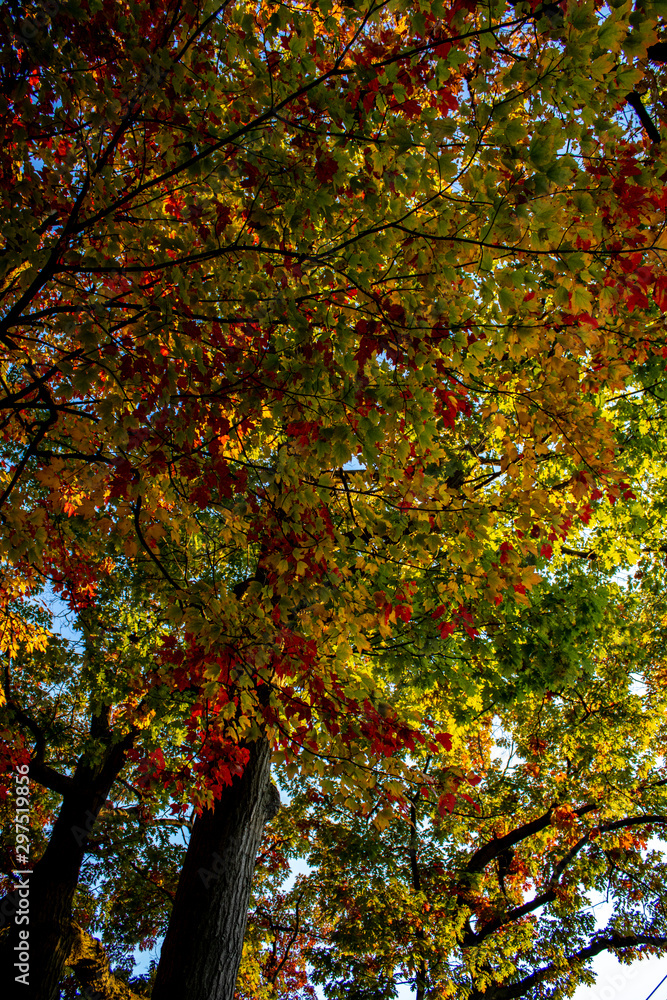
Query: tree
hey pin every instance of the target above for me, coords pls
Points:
(312, 319)
(494, 894)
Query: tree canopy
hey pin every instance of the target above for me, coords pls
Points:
(332, 394)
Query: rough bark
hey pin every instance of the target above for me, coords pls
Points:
(202, 949)
(53, 882)
(91, 967)
(422, 971)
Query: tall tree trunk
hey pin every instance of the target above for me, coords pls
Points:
(202, 950)
(422, 971)
(51, 886)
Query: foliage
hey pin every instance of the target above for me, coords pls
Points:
(333, 347)
(498, 894)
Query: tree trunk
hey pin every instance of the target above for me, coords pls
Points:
(422, 971)
(49, 890)
(202, 950)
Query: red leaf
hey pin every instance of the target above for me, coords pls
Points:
(326, 168)
(446, 803)
(411, 108)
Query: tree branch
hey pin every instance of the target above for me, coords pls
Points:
(611, 943)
